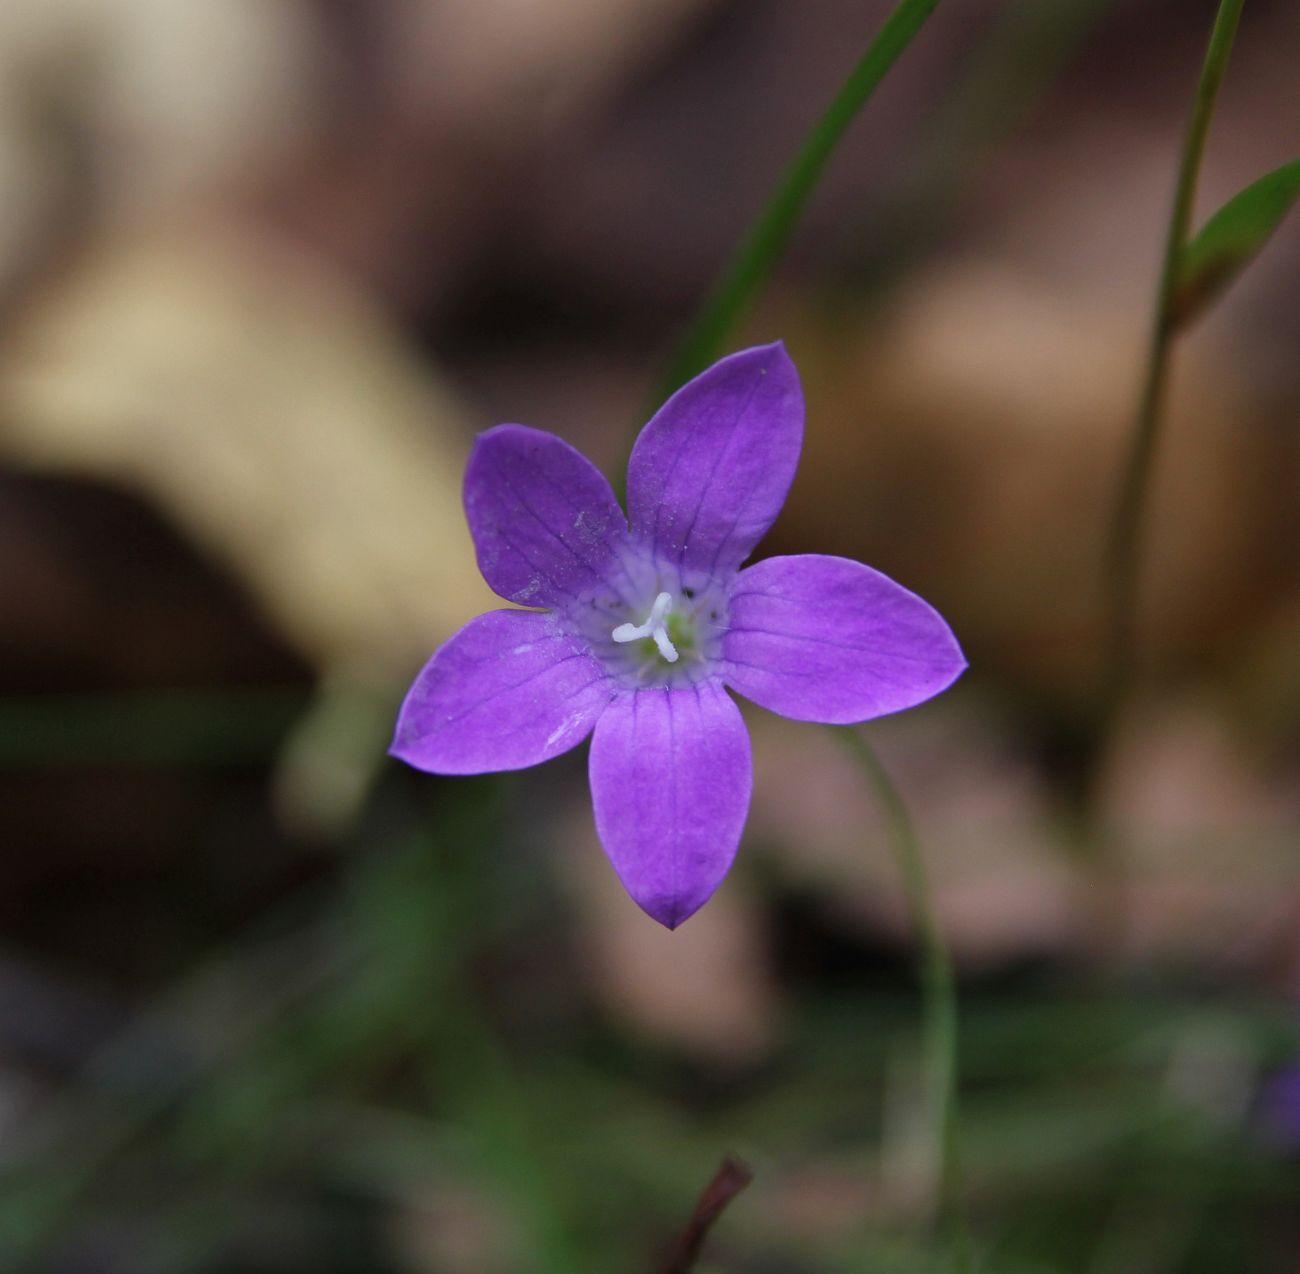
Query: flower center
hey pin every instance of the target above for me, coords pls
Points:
(655, 627)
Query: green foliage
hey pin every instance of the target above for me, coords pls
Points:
(763, 247)
(1231, 239)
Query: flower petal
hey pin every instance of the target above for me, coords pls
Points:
(710, 472)
(670, 781)
(827, 639)
(509, 690)
(545, 523)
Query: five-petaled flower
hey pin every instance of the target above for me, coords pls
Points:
(649, 620)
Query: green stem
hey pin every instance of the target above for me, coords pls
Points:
(939, 996)
(766, 241)
(1125, 547)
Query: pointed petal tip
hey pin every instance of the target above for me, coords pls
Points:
(505, 429)
(771, 356)
(774, 352)
(485, 435)
(408, 753)
(487, 441)
(672, 913)
(958, 664)
(400, 748)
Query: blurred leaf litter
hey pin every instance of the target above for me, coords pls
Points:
(275, 416)
(111, 109)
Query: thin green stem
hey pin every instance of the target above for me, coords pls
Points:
(939, 996)
(1125, 546)
(766, 241)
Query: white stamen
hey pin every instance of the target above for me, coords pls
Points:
(666, 647)
(655, 627)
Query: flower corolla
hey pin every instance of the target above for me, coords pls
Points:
(644, 623)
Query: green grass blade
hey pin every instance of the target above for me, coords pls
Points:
(1230, 240)
(938, 1000)
(766, 242)
(1124, 550)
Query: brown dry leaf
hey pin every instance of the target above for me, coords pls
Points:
(1196, 858)
(1207, 839)
(984, 819)
(276, 417)
(29, 184)
(969, 444)
(516, 64)
(170, 100)
(446, 1226)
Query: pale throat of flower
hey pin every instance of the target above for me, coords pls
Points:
(656, 627)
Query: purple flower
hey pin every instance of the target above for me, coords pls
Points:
(1282, 1108)
(649, 621)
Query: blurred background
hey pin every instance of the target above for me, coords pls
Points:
(270, 1002)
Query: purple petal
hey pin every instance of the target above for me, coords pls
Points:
(826, 639)
(710, 472)
(509, 690)
(670, 781)
(544, 520)
(1281, 1108)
